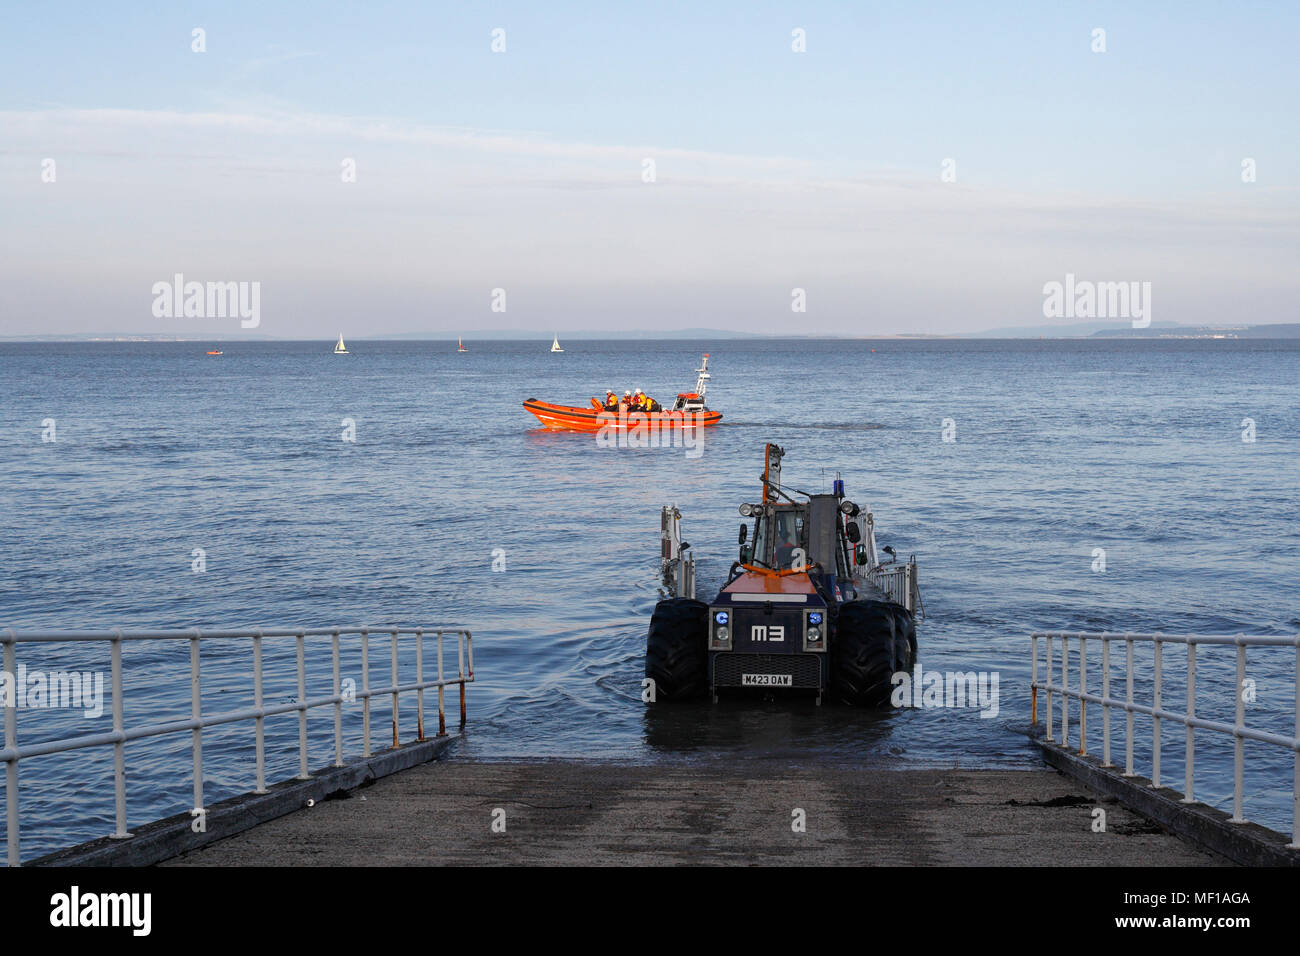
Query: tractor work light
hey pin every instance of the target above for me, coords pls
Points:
(814, 632)
(720, 638)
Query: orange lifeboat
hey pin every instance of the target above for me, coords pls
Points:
(594, 417)
(689, 411)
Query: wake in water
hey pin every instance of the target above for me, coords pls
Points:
(820, 426)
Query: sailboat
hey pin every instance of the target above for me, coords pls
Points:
(341, 349)
(555, 345)
(460, 346)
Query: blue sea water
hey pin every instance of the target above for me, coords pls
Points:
(1061, 447)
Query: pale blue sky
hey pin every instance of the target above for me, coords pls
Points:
(522, 170)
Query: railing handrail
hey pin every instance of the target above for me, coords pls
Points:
(1156, 710)
(1249, 640)
(48, 636)
(11, 754)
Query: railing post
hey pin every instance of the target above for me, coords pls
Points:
(1295, 756)
(1048, 671)
(365, 692)
(1155, 719)
(442, 713)
(1128, 707)
(260, 722)
(119, 745)
(303, 772)
(461, 638)
(1189, 756)
(1083, 689)
(1105, 702)
(1033, 681)
(1065, 690)
(338, 702)
(11, 766)
(419, 679)
(196, 713)
(1238, 741)
(396, 737)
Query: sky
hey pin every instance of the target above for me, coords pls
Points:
(917, 168)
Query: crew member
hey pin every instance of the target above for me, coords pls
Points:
(611, 400)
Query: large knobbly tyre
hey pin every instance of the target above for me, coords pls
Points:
(864, 654)
(904, 637)
(676, 652)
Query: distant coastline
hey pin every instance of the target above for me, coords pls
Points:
(1169, 330)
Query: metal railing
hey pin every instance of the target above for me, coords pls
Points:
(1156, 710)
(12, 754)
(899, 584)
(676, 561)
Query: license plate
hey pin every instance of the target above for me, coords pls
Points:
(766, 680)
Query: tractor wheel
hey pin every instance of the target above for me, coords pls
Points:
(676, 652)
(904, 636)
(864, 655)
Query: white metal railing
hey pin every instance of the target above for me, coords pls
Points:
(12, 754)
(1156, 710)
(676, 560)
(898, 582)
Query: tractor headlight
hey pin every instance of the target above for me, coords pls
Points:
(720, 638)
(814, 632)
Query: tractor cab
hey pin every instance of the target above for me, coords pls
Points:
(780, 537)
(813, 536)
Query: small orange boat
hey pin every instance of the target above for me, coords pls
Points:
(216, 352)
(689, 411)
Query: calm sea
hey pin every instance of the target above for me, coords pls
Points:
(1061, 448)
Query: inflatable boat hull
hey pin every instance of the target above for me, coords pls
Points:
(571, 418)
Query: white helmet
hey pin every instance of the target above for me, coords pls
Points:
(639, 392)
(626, 392)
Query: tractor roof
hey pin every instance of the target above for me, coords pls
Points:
(756, 582)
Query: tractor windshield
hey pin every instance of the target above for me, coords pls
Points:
(779, 539)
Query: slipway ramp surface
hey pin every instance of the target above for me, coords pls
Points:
(594, 814)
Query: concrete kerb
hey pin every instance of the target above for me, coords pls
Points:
(1248, 844)
(175, 835)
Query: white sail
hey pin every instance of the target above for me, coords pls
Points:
(555, 345)
(340, 349)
